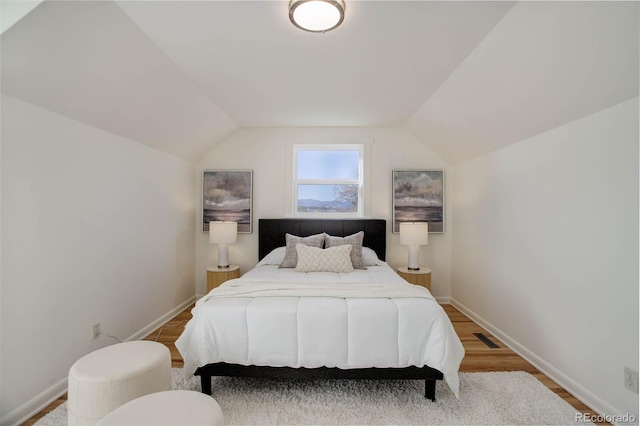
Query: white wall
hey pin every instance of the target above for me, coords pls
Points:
(95, 228)
(267, 151)
(545, 251)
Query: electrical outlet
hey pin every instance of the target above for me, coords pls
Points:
(96, 330)
(631, 379)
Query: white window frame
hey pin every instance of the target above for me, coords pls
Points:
(362, 172)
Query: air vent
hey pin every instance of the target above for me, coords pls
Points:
(484, 339)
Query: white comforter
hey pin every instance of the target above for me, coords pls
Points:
(279, 317)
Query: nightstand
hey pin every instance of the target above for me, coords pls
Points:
(216, 276)
(420, 277)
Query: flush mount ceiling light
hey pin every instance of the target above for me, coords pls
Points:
(316, 16)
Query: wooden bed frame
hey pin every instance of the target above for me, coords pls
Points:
(271, 234)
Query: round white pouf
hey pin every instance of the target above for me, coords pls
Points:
(176, 407)
(105, 379)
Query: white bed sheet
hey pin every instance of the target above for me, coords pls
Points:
(331, 331)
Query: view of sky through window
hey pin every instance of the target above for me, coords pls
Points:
(328, 164)
(317, 192)
(328, 180)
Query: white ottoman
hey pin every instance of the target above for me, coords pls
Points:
(170, 408)
(105, 379)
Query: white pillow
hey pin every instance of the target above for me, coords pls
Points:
(275, 257)
(370, 257)
(333, 259)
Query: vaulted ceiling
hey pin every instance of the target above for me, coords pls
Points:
(465, 78)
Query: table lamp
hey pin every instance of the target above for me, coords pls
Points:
(414, 235)
(223, 234)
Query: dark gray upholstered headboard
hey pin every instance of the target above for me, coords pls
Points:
(271, 232)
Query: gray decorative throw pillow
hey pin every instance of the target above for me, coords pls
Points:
(355, 240)
(291, 256)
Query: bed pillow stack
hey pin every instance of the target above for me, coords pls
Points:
(277, 256)
(291, 255)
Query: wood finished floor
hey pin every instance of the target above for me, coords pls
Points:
(478, 358)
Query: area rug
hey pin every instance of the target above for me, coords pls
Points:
(485, 399)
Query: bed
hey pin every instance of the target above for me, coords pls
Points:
(276, 322)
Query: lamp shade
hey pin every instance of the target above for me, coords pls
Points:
(223, 232)
(316, 15)
(414, 233)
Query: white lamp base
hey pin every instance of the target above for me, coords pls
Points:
(223, 256)
(414, 258)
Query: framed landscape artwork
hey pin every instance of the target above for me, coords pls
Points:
(418, 196)
(227, 197)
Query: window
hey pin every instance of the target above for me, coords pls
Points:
(328, 180)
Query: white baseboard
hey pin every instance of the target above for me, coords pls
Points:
(580, 392)
(46, 397)
(163, 319)
(35, 404)
(443, 300)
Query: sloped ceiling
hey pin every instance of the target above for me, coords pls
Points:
(465, 78)
(546, 64)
